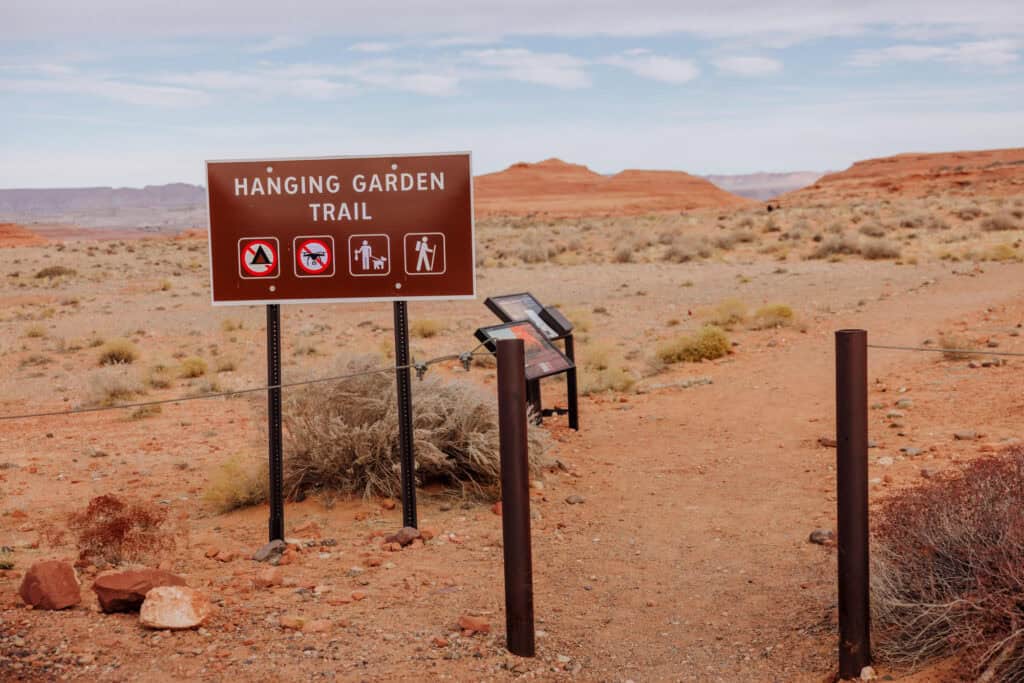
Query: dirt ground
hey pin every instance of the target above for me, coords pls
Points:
(688, 558)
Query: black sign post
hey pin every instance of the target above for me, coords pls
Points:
(403, 375)
(274, 422)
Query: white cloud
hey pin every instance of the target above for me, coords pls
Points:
(978, 53)
(277, 43)
(749, 66)
(127, 92)
(779, 22)
(372, 47)
(544, 68)
(654, 67)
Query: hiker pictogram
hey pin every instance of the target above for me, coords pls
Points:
(314, 256)
(371, 255)
(424, 253)
(258, 257)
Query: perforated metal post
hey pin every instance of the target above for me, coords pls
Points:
(852, 501)
(515, 497)
(407, 458)
(274, 422)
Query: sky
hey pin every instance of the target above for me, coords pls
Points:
(133, 92)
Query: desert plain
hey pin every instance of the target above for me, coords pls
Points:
(670, 534)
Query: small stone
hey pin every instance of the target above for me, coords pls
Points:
(291, 621)
(966, 435)
(894, 414)
(358, 595)
(268, 577)
(826, 442)
(388, 504)
(474, 624)
(270, 550)
(355, 571)
(868, 674)
(927, 473)
(309, 528)
(496, 508)
(564, 659)
(574, 499)
(904, 403)
(51, 584)
(439, 641)
(822, 536)
(125, 591)
(910, 451)
(404, 536)
(885, 461)
(174, 607)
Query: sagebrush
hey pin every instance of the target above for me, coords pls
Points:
(948, 570)
(343, 436)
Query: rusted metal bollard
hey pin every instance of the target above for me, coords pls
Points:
(852, 501)
(515, 497)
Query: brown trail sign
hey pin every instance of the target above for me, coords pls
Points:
(388, 228)
(383, 228)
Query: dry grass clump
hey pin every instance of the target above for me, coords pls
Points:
(708, 343)
(160, 376)
(999, 222)
(193, 366)
(954, 344)
(343, 436)
(601, 370)
(772, 316)
(111, 385)
(877, 249)
(237, 483)
(112, 530)
(425, 328)
(835, 246)
(51, 272)
(118, 352)
(35, 332)
(872, 229)
(728, 313)
(947, 570)
(686, 248)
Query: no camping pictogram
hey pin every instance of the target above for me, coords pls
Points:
(258, 257)
(314, 256)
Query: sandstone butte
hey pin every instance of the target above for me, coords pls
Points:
(14, 235)
(994, 172)
(560, 189)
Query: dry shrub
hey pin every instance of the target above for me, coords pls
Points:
(160, 376)
(954, 344)
(876, 249)
(948, 568)
(111, 385)
(999, 222)
(424, 328)
(835, 246)
(687, 248)
(772, 316)
(601, 369)
(1001, 252)
(193, 366)
(728, 314)
(343, 436)
(873, 229)
(113, 530)
(708, 343)
(118, 351)
(35, 332)
(51, 272)
(238, 483)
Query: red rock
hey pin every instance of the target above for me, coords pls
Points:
(427, 533)
(174, 607)
(358, 595)
(387, 504)
(403, 536)
(474, 624)
(309, 527)
(212, 552)
(440, 642)
(125, 591)
(496, 508)
(393, 547)
(269, 577)
(50, 584)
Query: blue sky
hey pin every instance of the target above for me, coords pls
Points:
(121, 93)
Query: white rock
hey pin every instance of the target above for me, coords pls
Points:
(174, 607)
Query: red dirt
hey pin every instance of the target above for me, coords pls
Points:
(14, 235)
(562, 189)
(997, 172)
